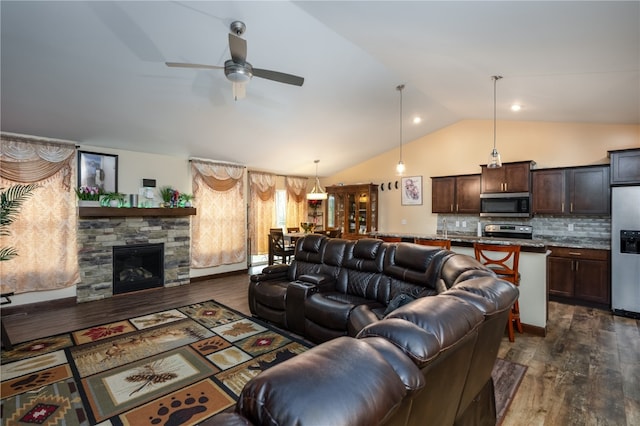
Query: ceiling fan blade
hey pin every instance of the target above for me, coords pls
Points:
(185, 65)
(278, 76)
(238, 48)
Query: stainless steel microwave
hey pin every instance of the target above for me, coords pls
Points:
(515, 204)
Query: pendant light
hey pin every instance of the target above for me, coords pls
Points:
(317, 193)
(400, 166)
(494, 158)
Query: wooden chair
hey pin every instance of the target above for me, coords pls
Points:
(445, 244)
(278, 248)
(503, 260)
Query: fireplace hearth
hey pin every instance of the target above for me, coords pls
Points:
(137, 267)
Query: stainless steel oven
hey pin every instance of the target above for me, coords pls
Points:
(517, 204)
(497, 230)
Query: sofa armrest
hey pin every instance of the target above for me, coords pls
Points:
(297, 293)
(272, 272)
(323, 283)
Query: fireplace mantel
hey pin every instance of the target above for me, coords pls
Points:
(135, 212)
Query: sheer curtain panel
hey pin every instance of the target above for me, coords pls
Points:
(296, 200)
(218, 234)
(262, 189)
(44, 233)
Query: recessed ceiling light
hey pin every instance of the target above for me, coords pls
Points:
(417, 120)
(516, 107)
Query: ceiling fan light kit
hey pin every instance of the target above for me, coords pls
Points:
(237, 69)
(495, 161)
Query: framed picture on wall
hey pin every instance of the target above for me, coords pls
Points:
(411, 191)
(98, 170)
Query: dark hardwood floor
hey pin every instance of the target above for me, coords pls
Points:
(586, 371)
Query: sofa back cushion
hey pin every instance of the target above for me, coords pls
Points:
(460, 268)
(427, 326)
(361, 268)
(308, 256)
(412, 269)
(333, 257)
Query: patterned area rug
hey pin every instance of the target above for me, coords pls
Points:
(176, 367)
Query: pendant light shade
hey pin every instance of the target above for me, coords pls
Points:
(400, 166)
(317, 193)
(494, 158)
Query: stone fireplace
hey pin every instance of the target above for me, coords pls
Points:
(137, 267)
(104, 231)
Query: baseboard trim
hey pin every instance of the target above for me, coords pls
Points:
(220, 275)
(534, 329)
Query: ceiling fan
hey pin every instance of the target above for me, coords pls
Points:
(237, 69)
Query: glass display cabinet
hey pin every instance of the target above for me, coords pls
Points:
(353, 209)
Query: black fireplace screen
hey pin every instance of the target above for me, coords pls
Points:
(137, 267)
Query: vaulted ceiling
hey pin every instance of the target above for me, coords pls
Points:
(95, 73)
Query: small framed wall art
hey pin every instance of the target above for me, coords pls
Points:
(411, 191)
(98, 170)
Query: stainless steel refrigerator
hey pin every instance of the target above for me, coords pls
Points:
(625, 250)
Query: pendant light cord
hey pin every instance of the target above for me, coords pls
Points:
(495, 81)
(400, 89)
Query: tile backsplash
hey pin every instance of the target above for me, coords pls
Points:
(544, 227)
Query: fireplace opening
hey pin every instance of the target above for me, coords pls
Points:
(137, 267)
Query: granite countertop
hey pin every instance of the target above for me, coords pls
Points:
(533, 244)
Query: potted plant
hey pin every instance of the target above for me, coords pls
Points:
(167, 194)
(185, 200)
(10, 202)
(89, 196)
(112, 199)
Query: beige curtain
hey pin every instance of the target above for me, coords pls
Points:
(262, 189)
(296, 200)
(45, 232)
(218, 234)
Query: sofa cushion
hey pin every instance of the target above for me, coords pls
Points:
(331, 310)
(405, 369)
(341, 382)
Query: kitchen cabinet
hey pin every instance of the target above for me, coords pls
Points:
(455, 194)
(511, 177)
(353, 209)
(625, 167)
(579, 275)
(572, 191)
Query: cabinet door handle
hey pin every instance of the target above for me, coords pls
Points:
(505, 187)
(562, 207)
(451, 208)
(456, 206)
(577, 265)
(571, 208)
(572, 267)
(575, 253)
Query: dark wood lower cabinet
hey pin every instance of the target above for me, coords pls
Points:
(579, 275)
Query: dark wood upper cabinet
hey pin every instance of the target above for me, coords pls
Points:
(511, 177)
(625, 167)
(468, 194)
(576, 190)
(455, 194)
(549, 194)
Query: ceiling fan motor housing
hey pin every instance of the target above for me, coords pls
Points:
(238, 73)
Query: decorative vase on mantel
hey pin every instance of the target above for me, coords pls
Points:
(88, 203)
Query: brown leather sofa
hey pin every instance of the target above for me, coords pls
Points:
(428, 361)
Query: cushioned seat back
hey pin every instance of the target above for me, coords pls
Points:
(308, 257)
(361, 268)
(460, 268)
(413, 269)
(333, 259)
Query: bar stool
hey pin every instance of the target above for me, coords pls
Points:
(445, 244)
(503, 260)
